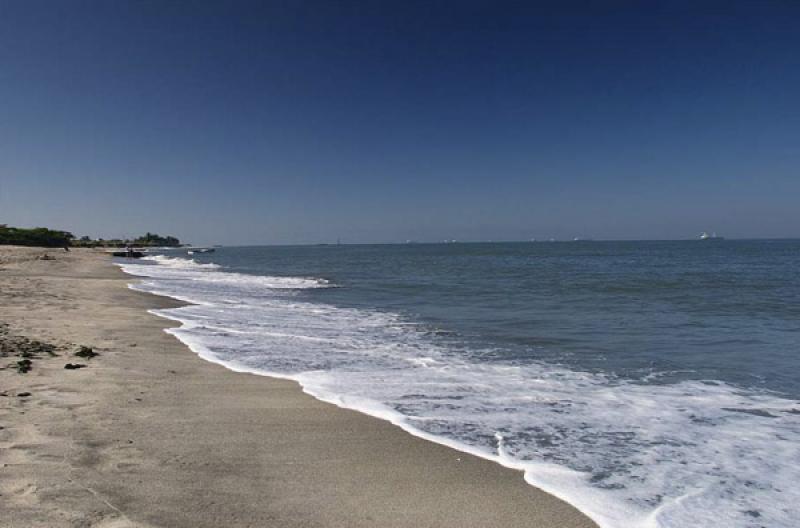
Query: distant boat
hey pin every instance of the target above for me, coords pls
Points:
(127, 252)
(712, 236)
(195, 251)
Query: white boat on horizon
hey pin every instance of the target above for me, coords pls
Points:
(713, 236)
(195, 251)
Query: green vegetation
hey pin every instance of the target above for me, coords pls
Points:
(37, 236)
(85, 241)
(43, 237)
(148, 240)
(152, 239)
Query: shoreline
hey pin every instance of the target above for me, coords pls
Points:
(381, 413)
(203, 445)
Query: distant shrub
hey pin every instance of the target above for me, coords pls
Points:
(37, 236)
(152, 239)
(40, 236)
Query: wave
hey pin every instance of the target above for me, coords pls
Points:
(162, 266)
(627, 454)
(179, 263)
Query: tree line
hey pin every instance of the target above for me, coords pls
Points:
(44, 237)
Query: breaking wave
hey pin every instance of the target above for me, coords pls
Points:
(628, 454)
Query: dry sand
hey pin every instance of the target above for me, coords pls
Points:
(148, 434)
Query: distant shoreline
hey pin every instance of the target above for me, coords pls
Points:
(466, 242)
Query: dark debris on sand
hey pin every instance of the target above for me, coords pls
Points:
(21, 346)
(27, 350)
(86, 352)
(24, 366)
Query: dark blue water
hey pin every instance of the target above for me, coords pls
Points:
(719, 310)
(652, 384)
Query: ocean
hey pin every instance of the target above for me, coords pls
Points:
(650, 384)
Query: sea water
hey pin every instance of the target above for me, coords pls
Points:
(650, 384)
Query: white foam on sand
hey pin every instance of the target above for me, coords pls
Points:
(178, 263)
(628, 455)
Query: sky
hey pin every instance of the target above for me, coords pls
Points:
(291, 122)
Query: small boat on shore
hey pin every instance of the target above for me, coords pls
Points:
(127, 253)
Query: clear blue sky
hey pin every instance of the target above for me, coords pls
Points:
(378, 121)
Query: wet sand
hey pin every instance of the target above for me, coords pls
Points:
(149, 434)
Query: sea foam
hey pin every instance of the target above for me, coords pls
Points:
(627, 454)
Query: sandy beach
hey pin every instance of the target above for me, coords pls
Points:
(149, 434)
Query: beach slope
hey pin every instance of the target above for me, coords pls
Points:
(148, 434)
